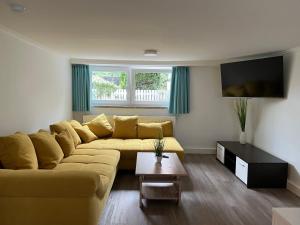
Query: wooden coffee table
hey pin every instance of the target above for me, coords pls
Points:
(159, 181)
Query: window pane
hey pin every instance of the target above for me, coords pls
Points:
(152, 87)
(109, 85)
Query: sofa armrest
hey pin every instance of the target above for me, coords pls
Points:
(49, 183)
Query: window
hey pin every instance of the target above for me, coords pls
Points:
(130, 86)
(109, 86)
(152, 87)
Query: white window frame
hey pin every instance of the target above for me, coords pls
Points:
(131, 71)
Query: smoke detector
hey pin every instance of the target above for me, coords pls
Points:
(17, 7)
(150, 52)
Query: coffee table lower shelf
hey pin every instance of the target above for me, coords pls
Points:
(160, 189)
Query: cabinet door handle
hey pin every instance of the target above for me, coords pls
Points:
(242, 165)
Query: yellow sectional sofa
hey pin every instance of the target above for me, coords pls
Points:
(75, 191)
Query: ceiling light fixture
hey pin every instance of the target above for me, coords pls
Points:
(16, 7)
(150, 52)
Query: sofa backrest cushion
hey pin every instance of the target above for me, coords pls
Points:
(85, 134)
(100, 126)
(125, 127)
(17, 152)
(48, 151)
(65, 141)
(150, 130)
(75, 123)
(65, 125)
(167, 128)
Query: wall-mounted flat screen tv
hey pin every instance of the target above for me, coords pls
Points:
(253, 78)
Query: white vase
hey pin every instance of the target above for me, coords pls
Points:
(158, 159)
(243, 137)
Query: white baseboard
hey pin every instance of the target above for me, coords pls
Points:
(293, 187)
(206, 151)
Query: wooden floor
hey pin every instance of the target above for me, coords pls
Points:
(211, 195)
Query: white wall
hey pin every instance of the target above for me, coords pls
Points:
(211, 117)
(274, 124)
(35, 86)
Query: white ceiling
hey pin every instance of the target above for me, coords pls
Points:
(182, 30)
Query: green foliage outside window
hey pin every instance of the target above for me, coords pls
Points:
(106, 83)
(104, 89)
(123, 80)
(151, 81)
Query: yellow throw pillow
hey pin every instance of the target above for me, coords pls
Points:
(167, 128)
(48, 151)
(65, 125)
(100, 126)
(64, 139)
(85, 134)
(150, 130)
(75, 123)
(17, 152)
(125, 127)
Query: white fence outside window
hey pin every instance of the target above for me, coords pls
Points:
(140, 96)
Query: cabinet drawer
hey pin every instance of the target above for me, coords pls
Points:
(220, 153)
(241, 170)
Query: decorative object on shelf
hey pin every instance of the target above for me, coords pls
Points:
(159, 145)
(241, 110)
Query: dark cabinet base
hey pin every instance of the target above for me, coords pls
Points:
(267, 175)
(229, 160)
(253, 166)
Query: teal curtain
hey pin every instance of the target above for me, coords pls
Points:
(80, 88)
(180, 91)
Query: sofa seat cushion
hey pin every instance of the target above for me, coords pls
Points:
(101, 169)
(92, 151)
(108, 159)
(112, 152)
(105, 172)
(147, 145)
(171, 144)
(104, 164)
(129, 147)
(113, 143)
(101, 144)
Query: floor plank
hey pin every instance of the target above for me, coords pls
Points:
(212, 195)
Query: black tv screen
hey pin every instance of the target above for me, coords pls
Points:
(253, 78)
